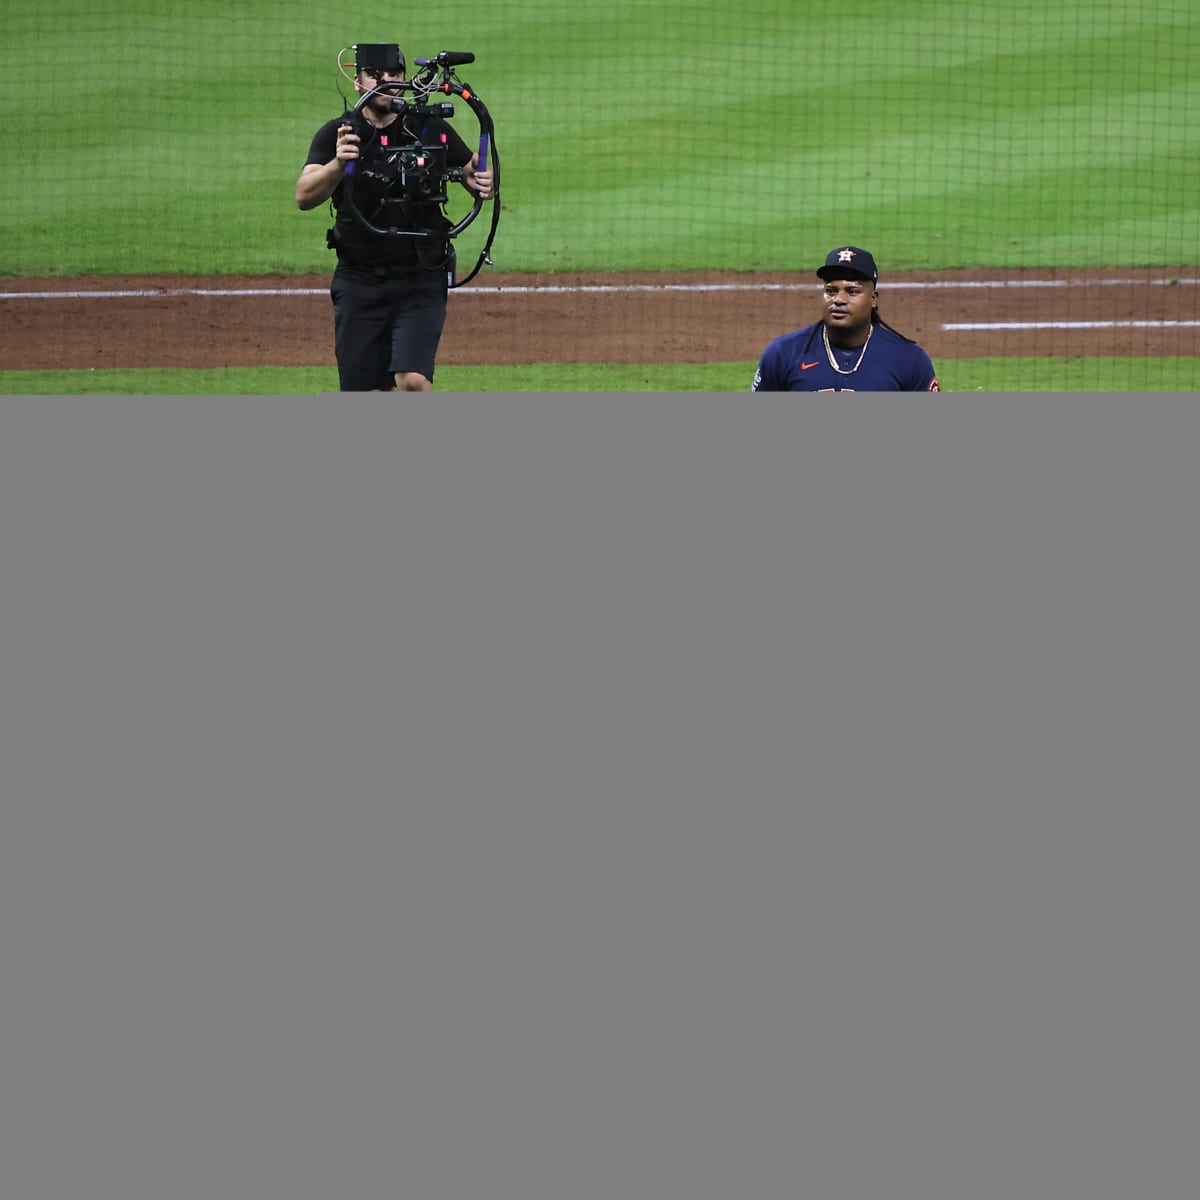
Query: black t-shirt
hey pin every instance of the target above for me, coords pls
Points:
(354, 241)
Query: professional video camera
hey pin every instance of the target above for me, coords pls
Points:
(398, 187)
(405, 169)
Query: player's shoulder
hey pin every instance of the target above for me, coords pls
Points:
(910, 361)
(787, 343)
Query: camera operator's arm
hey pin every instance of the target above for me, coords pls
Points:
(477, 181)
(318, 181)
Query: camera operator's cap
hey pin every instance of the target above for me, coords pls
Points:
(380, 56)
(849, 262)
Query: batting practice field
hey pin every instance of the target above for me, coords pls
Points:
(506, 319)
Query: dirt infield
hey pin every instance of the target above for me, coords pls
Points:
(171, 321)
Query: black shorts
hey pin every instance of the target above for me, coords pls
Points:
(386, 324)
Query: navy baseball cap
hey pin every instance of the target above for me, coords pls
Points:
(849, 262)
(378, 56)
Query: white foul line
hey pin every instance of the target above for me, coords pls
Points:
(967, 327)
(604, 289)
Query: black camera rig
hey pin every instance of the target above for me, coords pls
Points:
(398, 189)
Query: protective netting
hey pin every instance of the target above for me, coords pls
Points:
(990, 144)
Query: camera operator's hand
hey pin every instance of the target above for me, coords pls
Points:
(318, 181)
(347, 144)
(479, 182)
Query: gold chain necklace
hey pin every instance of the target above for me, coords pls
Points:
(833, 361)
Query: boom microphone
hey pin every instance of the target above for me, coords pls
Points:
(448, 58)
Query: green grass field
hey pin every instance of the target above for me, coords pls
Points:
(634, 135)
(956, 375)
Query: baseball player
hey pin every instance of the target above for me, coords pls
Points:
(851, 349)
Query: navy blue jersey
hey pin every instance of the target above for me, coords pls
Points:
(800, 362)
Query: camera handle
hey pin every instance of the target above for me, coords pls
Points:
(423, 85)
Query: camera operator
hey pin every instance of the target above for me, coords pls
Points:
(389, 292)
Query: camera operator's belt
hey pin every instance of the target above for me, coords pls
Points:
(381, 270)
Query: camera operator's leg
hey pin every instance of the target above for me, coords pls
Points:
(417, 322)
(361, 332)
